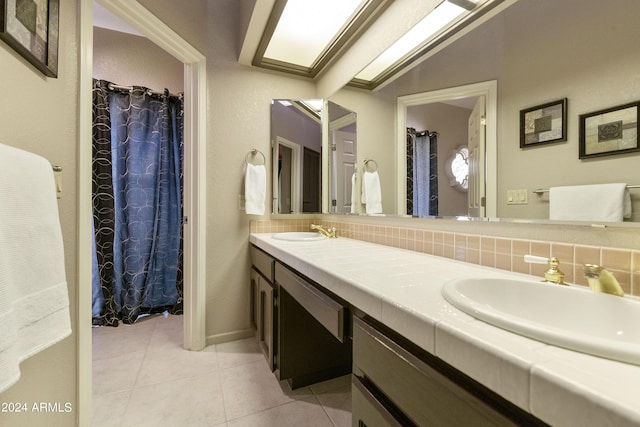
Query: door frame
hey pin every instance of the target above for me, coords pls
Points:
(296, 176)
(489, 90)
(195, 91)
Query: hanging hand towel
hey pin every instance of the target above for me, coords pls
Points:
(34, 301)
(600, 202)
(371, 193)
(255, 189)
(353, 192)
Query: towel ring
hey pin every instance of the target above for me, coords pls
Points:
(253, 153)
(366, 163)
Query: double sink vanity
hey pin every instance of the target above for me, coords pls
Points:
(434, 341)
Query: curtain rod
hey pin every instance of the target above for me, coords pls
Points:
(149, 91)
(422, 132)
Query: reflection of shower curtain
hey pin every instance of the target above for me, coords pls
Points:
(137, 202)
(422, 173)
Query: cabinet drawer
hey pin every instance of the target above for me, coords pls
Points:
(423, 394)
(367, 410)
(323, 308)
(263, 263)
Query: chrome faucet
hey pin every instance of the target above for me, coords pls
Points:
(601, 280)
(330, 232)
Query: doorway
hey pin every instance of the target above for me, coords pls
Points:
(486, 169)
(194, 62)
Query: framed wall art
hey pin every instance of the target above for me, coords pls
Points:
(30, 27)
(544, 124)
(610, 131)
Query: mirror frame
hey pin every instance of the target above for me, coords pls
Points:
(489, 90)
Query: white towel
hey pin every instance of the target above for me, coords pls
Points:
(599, 202)
(371, 193)
(353, 192)
(34, 300)
(255, 189)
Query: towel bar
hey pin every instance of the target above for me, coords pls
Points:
(253, 153)
(366, 163)
(541, 191)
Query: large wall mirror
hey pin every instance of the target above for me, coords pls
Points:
(300, 131)
(534, 60)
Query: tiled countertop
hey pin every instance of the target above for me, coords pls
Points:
(402, 288)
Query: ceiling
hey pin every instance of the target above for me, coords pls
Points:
(374, 28)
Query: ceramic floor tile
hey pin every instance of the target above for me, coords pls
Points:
(117, 373)
(163, 384)
(108, 409)
(252, 387)
(161, 366)
(239, 352)
(193, 402)
(335, 398)
(119, 341)
(307, 412)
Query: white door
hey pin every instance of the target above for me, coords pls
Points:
(476, 160)
(344, 166)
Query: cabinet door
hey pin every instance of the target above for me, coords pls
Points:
(254, 296)
(265, 319)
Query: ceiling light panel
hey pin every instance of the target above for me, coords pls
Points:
(438, 19)
(307, 27)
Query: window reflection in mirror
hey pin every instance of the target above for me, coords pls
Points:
(296, 136)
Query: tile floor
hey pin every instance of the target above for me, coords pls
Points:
(143, 377)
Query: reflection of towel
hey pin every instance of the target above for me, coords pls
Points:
(255, 189)
(34, 301)
(371, 194)
(353, 193)
(600, 202)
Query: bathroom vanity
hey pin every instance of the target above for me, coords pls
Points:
(303, 329)
(415, 358)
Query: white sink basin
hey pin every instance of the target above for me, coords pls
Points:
(572, 317)
(299, 236)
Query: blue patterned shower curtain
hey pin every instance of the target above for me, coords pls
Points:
(422, 173)
(137, 203)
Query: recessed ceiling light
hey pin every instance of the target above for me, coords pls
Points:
(306, 28)
(303, 36)
(431, 24)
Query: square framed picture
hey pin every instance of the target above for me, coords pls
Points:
(30, 27)
(544, 124)
(610, 131)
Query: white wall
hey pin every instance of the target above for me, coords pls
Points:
(39, 114)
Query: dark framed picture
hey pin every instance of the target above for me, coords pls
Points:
(544, 124)
(610, 131)
(30, 27)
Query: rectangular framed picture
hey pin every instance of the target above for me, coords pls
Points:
(610, 131)
(544, 124)
(30, 27)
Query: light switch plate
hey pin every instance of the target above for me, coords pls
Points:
(517, 197)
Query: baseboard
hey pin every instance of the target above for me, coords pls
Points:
(230, 336)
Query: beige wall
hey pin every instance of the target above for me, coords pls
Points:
(128, 60)
(39, 114)
(541, 51)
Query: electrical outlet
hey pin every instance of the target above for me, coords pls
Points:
(241, 202)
